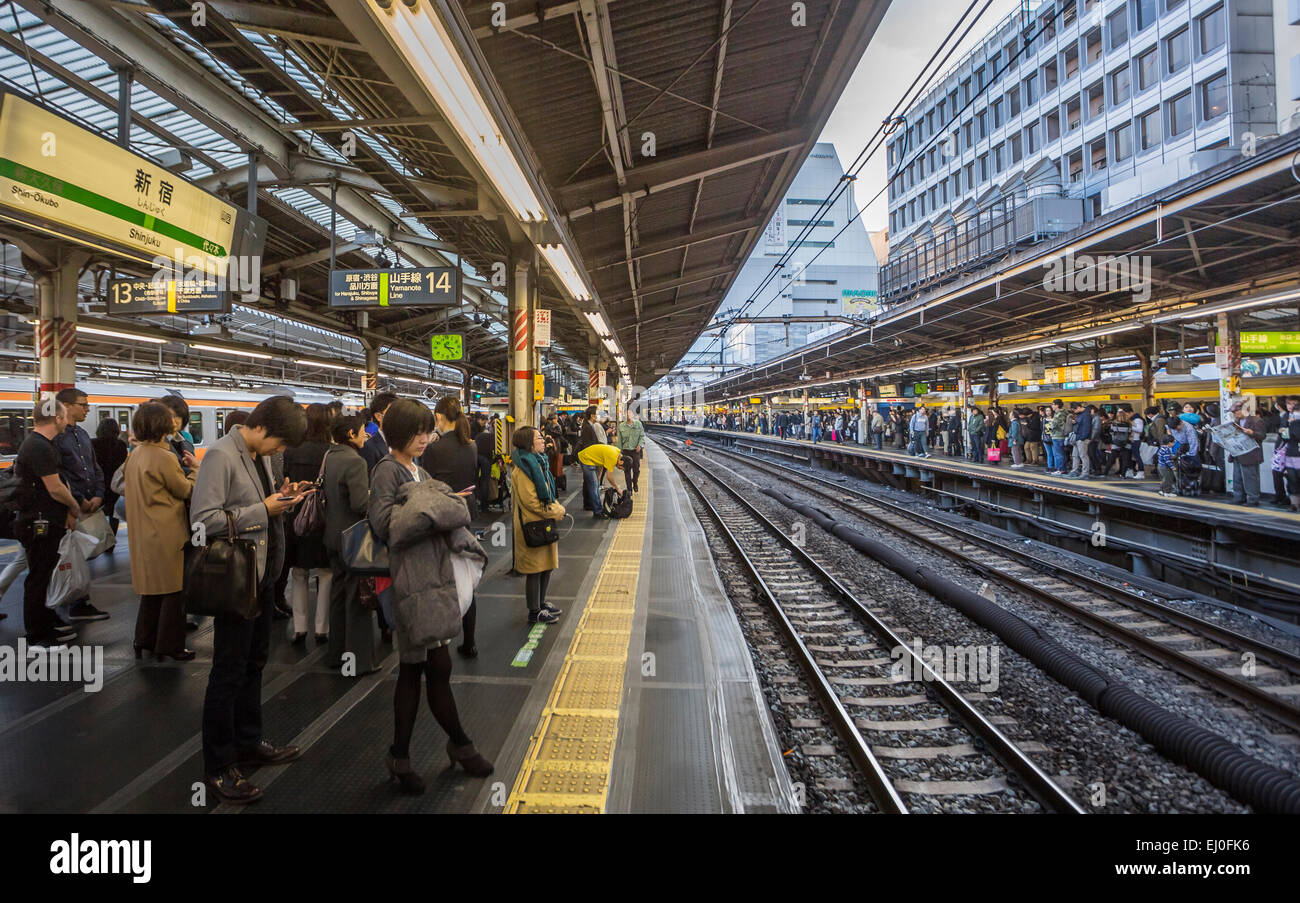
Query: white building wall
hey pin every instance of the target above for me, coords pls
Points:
(823, 272)
(1286, 39)
(1199, 106)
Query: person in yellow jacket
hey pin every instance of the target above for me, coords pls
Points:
(603, 462)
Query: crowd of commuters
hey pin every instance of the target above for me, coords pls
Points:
(1072, 440)
(423, 479)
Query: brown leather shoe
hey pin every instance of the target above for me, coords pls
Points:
(230, 786)
(266, 754)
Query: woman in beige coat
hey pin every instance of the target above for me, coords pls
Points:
(533, 488)
(157, 530)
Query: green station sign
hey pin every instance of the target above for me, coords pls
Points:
(60, 178)
(1270, 343)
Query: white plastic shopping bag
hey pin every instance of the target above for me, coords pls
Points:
(71, 578)
(468, 571)
(97, 526)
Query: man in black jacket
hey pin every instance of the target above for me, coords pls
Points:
(376, 447)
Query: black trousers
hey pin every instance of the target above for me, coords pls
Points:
(232, 707)
(42, 558)
(160, 623)
(632, 460)
(352, 628)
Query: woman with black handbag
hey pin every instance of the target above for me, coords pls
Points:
(536, 514)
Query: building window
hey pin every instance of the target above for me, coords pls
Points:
(1144, 11)
(1171, 5)
(1097, 154)
(1148, 66)
(1049, 76)
(1016, 149)
(1120, 85)
(1176, 51)
(1013, 104)
(1117, 25)
(970, 176)
(1075, 166)
(1053, 120)
(983, 121)
(1031, 91)
(1072, 116)
(1179, 115)
(1149, 126)
(967, 130)
(998, 162)
(1071, 62)
(1123, 142)
(1210, 30)
(984, 168)
(1093, 46)
(1214, 97)
(1031, 138)
(1096, 102)
(997, 113)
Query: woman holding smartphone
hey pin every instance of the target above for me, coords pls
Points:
(452, 457)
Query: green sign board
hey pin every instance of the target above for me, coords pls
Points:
(447, 346)
(1270, 343)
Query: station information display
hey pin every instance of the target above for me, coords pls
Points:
(65, 179)
(415, 287)
(171, 296)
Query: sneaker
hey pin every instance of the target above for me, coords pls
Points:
(1169, 495)
(1017, 467)
(47, 642)
(1137, 475)
(927, 455)
(543, 617)
(547, 606)
(64, 631)
(84, 611)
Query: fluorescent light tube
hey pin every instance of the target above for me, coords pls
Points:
(422, 39)
(219, 350)
(562, 264)
(121, 335)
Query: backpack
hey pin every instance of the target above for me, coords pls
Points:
(617, 505)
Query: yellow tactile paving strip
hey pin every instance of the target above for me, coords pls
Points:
(571, 753)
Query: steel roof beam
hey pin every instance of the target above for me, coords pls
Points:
(165, 71)
(603, 192)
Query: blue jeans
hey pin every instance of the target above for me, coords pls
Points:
(1057, 447)
(918, 443)
(591, 486)
(817, 434)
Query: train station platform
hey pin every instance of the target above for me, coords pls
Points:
(1159, 536)
(642, 698)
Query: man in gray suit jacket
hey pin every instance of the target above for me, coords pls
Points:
(237, 476)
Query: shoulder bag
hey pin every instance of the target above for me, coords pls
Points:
(310, 518)
(537, 533)
(363, 552)
(221, 576)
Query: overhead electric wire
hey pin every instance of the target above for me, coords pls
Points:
(909, 96)
(1028, 41)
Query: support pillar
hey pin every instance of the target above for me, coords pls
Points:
(1148, 381)
(466, 388)
(521, 350)
(992, 388)
(864, 421)
(370, 379)
(1229, 355)
(56, 319)
(964, 387)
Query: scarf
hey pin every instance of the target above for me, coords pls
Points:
(538, 469)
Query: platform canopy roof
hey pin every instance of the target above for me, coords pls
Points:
(658, 139)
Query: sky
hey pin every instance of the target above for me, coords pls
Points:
(909, 34)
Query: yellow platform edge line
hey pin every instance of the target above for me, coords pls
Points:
(617, 582)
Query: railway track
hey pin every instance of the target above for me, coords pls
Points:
(851, 659)
(1154, 630)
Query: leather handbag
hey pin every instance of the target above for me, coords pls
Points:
(310, 518)
(221, 576)
(537, 533)
(363, 552)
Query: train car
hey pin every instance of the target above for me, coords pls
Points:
(1126, 393)
(118, 401)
